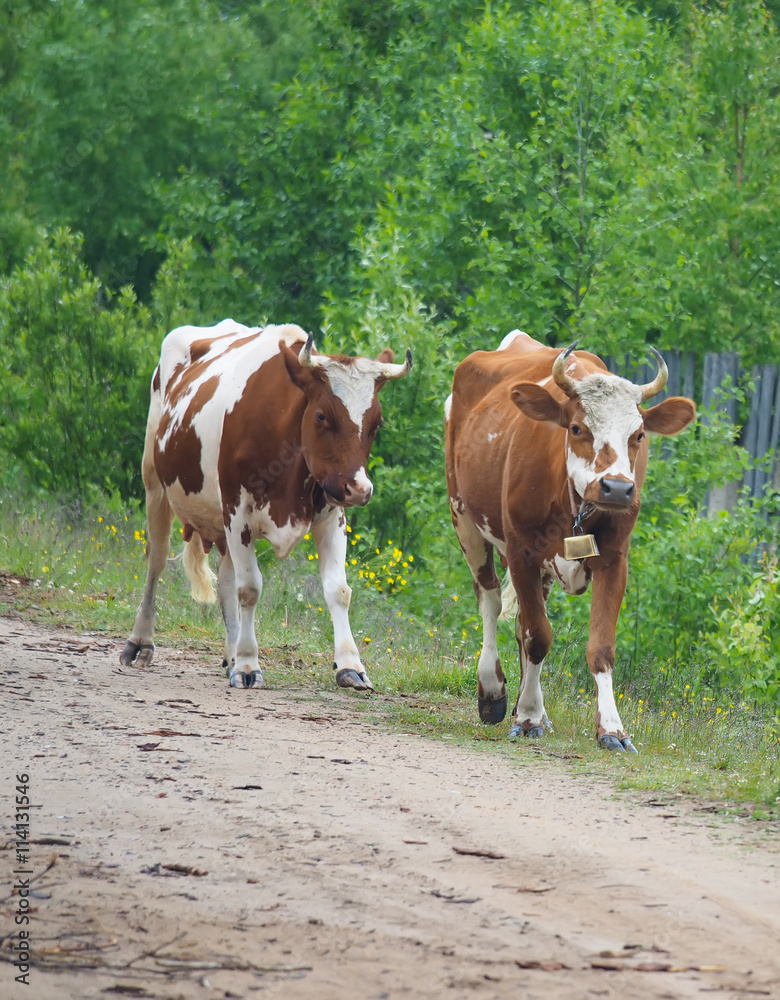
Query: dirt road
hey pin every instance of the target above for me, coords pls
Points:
(209, 842)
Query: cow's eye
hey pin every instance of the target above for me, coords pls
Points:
(639, 436)
(320, 417)
(575, 429)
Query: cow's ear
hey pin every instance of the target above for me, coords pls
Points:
(299, 375)
(537, 403)
(386, 357)
(669, 416)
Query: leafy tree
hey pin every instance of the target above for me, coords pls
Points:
(75, 374)
(109, 103)
(733, 292)
(350, 129)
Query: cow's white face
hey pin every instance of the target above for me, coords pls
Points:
(605, 429)
(603, 440)
(341, 418)
(337, 433)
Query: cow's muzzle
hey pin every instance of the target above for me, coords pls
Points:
(614, 493)
(356, 493)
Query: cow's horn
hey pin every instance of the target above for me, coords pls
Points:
(398, 371)
(305, 356)
(559, 371)
(658, 383)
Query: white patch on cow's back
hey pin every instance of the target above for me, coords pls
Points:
(355, 385)
(447, 406)
(492, 437)
(510, 337)
(232, 366)
(612, 415)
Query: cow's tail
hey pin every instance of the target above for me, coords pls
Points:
(508, 600)
(199, 573)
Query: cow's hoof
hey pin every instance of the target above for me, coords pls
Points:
(145, 655)
(349, 678)
(610, 742)
(518, 730)
(628, 745)
(141, 654)
(533, 731)
(239, 679)
(492, 710)
(128, 654)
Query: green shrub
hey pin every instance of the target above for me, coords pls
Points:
(743, 641)
(75, 369)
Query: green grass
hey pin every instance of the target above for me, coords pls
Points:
(85, 570)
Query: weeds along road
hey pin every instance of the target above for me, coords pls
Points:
(188, 840)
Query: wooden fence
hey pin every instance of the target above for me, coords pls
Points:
(710, 386)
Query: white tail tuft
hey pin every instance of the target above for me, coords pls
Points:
(509, 603)
(199, 573)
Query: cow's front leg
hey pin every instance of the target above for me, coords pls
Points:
(609, 585)
(330, 536)
(243, 668)
(534, 637)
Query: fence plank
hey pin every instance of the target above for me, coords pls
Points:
(689, 375)
(674, 362)
(774, 435)
(749, 436)
(719, 369)
(766, 395)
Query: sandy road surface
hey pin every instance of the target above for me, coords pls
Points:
(324, 853)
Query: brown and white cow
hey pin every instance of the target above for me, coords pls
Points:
(251, 434)
(536, 439)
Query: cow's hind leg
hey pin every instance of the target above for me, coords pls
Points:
(228, 602)
(491, 683)
(159, 520)
(330, 536)
(243, 667)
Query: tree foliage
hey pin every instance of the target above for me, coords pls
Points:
(72, 395)
(398, 173)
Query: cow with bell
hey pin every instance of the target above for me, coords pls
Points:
(546, 453)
